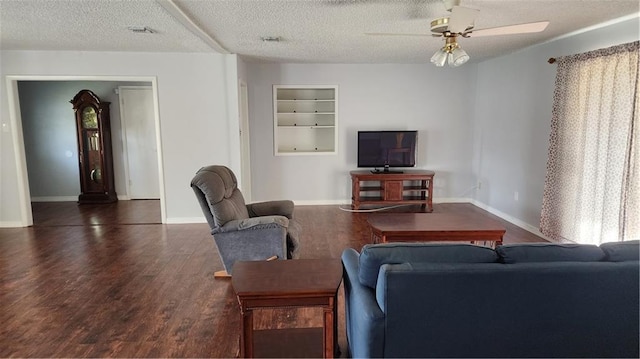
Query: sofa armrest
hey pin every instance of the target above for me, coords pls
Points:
(264, 222)
(365, 320)
(271, 208)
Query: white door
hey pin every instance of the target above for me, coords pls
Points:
(245, 149)
(139, 141)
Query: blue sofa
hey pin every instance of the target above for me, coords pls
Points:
(524, 300)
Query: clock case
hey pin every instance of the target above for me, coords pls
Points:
(93, 128)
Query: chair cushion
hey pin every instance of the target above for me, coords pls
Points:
(549, 252)
(621, 251)
(373, 256)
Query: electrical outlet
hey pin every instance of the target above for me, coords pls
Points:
(479, 185)
(516, 195)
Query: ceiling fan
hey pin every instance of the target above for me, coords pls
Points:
(461, 24)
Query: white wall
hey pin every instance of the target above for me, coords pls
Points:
(438, 102)
(513, 121)
(50, 142)
(193, 109)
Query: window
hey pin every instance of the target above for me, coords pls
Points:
(592, 187)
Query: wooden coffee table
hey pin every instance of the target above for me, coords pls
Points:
(440, 227)
(283, 284)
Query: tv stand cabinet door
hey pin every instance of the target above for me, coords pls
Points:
(393, 190)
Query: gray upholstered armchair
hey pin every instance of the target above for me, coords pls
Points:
(255, 231)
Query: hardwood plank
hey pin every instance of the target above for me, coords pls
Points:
(105, 281)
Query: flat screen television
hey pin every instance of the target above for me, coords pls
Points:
(385, 149)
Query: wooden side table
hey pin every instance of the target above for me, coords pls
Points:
(288, 283)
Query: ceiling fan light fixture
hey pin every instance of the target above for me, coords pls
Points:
(451, 52)
(439, 58)
(458, 57)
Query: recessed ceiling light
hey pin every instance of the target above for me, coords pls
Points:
(141, 29)
(270, 38)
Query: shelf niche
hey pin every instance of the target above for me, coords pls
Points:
(305, 119)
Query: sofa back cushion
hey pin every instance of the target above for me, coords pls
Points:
(621, 251)
(549, 252)
(373, 256)
(541, 310)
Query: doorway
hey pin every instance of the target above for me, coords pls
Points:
(24, 174)
(138, 142)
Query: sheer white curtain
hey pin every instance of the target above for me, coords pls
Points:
(592, 187)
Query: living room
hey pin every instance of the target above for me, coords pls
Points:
(483, 129)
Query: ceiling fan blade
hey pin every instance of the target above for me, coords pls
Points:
(461, 18)
(394, 34)
(449, 4)
(510, 29)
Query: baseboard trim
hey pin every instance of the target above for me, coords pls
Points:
(452, 200)
(69, 198)
(55, 199)
(10, 224)
(321, 203)
(348, 201)
(511, 219)
(186, 220)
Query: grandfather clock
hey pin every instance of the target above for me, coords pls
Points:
(93, 128)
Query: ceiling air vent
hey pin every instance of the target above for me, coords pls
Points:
(141, 29)
(270, 38)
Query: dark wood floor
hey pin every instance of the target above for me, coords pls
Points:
(111, 284)
(72, 214)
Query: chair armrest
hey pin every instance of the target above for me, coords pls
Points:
(263, 222)
(271, 208)
(365, 320)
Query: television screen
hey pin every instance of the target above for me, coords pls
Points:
(387, 148)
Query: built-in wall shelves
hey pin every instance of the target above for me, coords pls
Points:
(305, 119)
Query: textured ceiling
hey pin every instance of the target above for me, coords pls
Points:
(320, 31)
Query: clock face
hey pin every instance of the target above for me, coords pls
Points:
(89, 117)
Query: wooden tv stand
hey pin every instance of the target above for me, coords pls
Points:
(409, 187)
